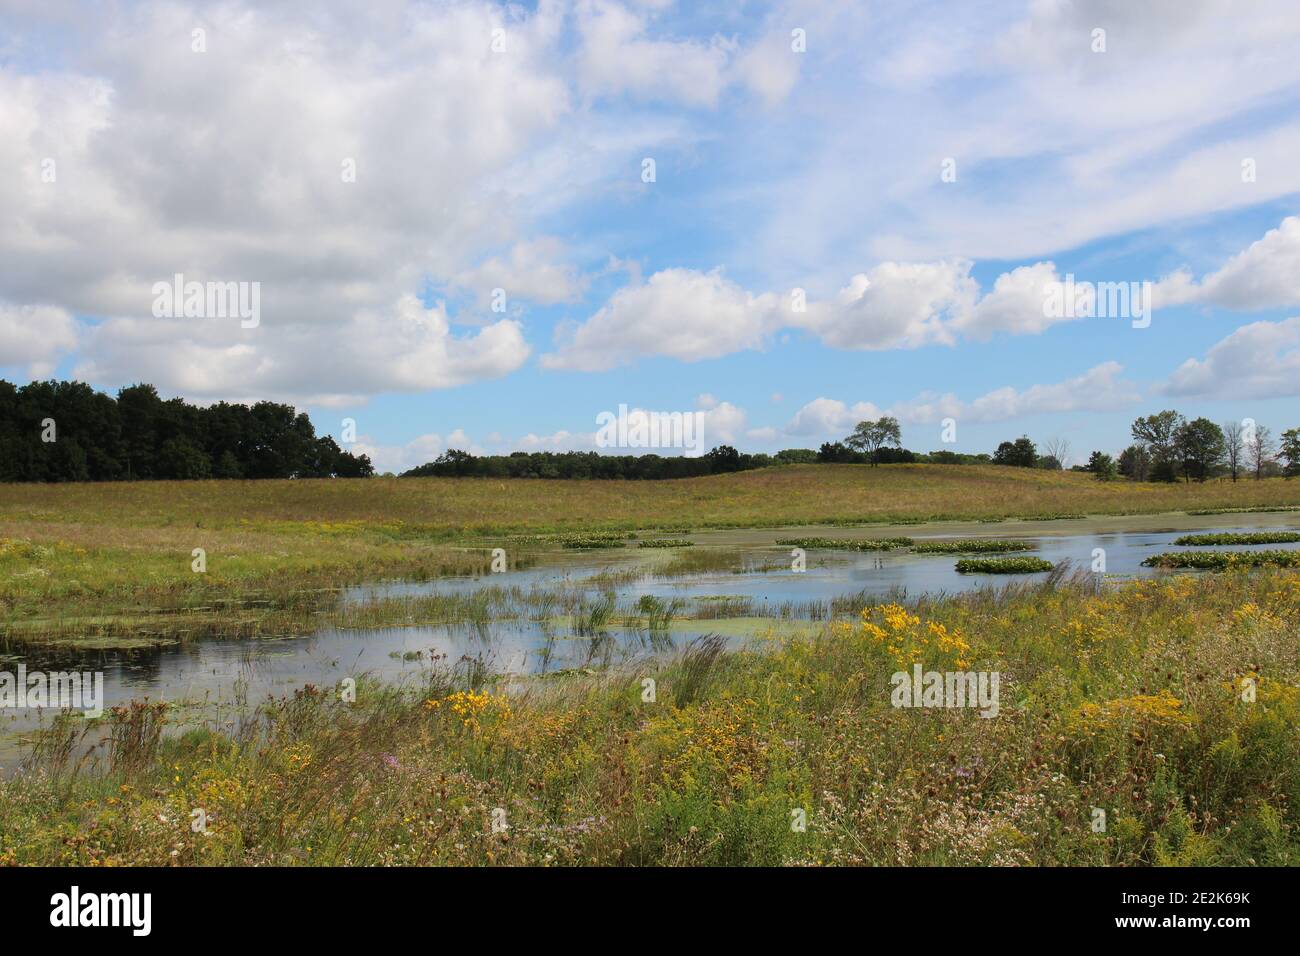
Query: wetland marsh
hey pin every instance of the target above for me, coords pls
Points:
(362, 691)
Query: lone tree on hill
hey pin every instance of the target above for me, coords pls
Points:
(870, 437)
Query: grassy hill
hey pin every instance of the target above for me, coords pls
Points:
(796, 494)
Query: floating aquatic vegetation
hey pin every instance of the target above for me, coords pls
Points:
(1250, 537)
(1003, 565)
(1224, 560)
(971, 546)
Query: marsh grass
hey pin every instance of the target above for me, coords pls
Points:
(592, 615)
(1124, 696)
(658, 612)
(697, 665)
(709, 607)
(54, 745)
(134, 733)
(716, 561)
(69, 593)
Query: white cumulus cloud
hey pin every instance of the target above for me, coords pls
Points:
(1259, 360)
(1264, 275)
(1101, 388)
(677, 313)
(34, 337)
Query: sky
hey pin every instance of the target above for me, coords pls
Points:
(477, 225)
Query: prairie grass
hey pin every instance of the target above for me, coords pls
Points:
(1129, 698)
(449, 509)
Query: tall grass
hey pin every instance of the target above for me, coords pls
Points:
(1130, 698)
(593, 614)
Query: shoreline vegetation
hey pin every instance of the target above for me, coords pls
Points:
(1129, 698)
(112, 563)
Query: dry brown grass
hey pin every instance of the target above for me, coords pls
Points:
(451, 507)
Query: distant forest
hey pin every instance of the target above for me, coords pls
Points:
(720, 460)
(67, 431)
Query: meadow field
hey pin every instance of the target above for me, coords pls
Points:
(449, 508)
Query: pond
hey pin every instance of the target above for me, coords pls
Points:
(743, 591)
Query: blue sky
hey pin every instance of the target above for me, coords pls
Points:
(503, 147)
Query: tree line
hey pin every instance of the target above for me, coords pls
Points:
(455, 463)
(67, 431)
(1166, 447)
(1169, 447)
